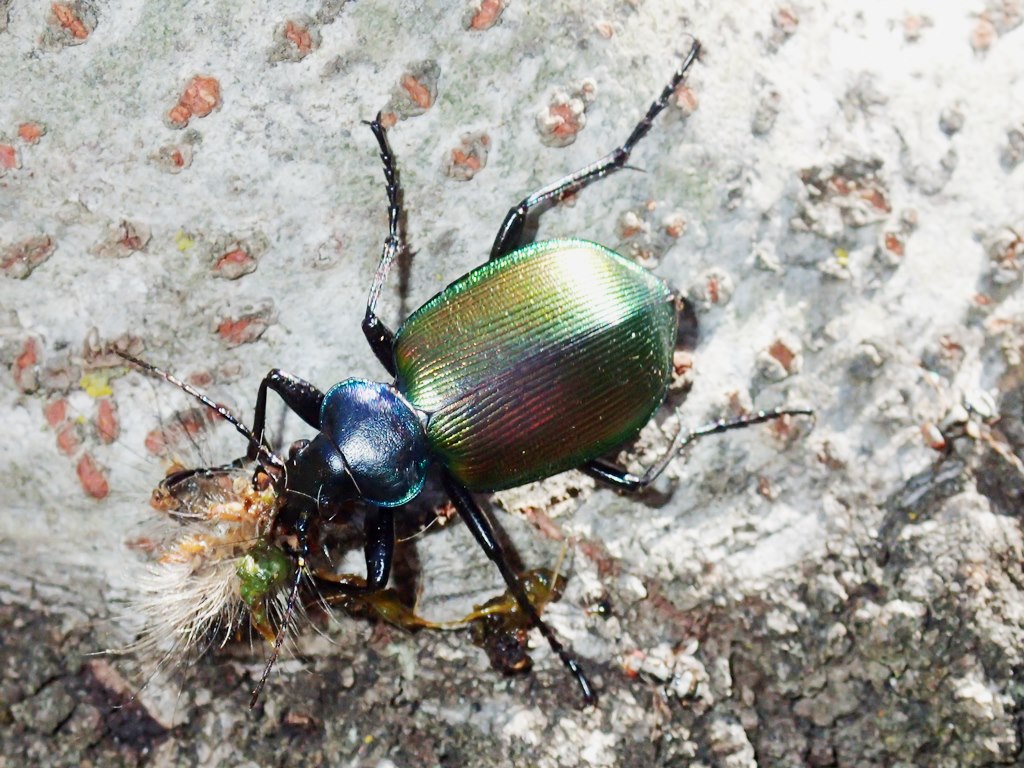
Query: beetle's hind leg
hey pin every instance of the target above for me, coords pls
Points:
(510, 235)
(614, 475)
(380, 337)
(483, 531)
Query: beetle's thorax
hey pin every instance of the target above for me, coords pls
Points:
(371, 446)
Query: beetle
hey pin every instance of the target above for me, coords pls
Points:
(543, 359)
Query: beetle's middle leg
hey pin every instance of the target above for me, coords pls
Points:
(614, 475)
(510, 235)
(380, 337)
(483, 531)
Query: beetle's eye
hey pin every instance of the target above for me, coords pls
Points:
(296, 448)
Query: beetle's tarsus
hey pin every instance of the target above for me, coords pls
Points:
(381, 338)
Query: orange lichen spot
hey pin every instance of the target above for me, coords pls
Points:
(295, 39)
(418, 92)
(131, 238)
(567, 121)
(486, 15)
(201, 379)
(8, 157)
(388, 120)
(173, 158)
(237, 256)
(69, 19)
(682, 371)
(235, 262)
(29, 355)
(686, 99)
(783, 428)
(68, 439)
(781, 352)
(55, 411)
(107, 425)
(122, 240)
(630, 224)
(92, 477)
(894, 244)
(675, 225)
(605, 29)
(186, 425)
(299, 36)
(234, 331)
(200, 98)
(179, 116)
(469, 161)
(463, 162)
(876, 199)
(30, 133)
(682, 362)
(712, 287)
(20, 259)
(246, 328)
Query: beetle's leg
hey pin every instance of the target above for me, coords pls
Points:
(483, 531)
(380, 337)
(298, 394)
(612, 474)
(379, 549)
(379, 546)
(511, 233)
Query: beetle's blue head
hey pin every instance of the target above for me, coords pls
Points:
(371, 446)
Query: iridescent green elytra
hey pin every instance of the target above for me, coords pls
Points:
(538, 362)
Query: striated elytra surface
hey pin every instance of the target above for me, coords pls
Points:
(533, 364)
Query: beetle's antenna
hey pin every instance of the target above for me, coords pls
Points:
(264, 454)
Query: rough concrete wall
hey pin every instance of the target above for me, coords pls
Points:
(845, 207)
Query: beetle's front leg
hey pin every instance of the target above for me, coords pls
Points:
(379, 550)
(510, 235)
(614, 475)
(380, 337)
(379, 546)
(298, 394)
(483, 531)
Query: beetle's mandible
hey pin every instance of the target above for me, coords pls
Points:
(542, 360)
